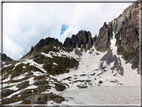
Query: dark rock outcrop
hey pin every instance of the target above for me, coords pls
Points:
(81, 38)
(102, 42)
(44, 45)
(126, 27)
(67, 42)
(128, 35)
(31, 50)
(94, 38)
(5, 58)
(39, 44)
(44, 42)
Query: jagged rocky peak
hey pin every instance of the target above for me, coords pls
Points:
(102, 41)
(6, 59)
(131, 12)
(44, 45)
(126, 29)
(94, 38)
(127, 37)
(81, 38)
(45, 42)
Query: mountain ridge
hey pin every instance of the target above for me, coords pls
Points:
(127, 21)
(82, 61)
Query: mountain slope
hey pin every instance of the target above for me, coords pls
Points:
(51, 68)
(126, 28)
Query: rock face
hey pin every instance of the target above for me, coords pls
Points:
(44, 45)
(81, 38)
(126, 29)
(94, 38)
(102, 42)
(128, 35)
(5, 58)
(67, 42)
(131, 13)
(31, 50)
(45, 42)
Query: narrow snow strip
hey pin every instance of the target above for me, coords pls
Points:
(20, 77)
(47, 55)
(31, 87)
(36, 65)
(6, 65)
(7, 79)
(18, 102)
(37, 73)
(40, 66)
(13, 88)
(16, 65)
(17, 92)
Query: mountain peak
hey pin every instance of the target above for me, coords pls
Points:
(81, 38)
(6, 58)
(49, 70)
(105, 25)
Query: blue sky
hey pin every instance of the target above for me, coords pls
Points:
(24, 27)
(64, 27)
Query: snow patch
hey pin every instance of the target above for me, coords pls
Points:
(7, 79)
(6, 65)
(16, 65)
(20, 77)
(47, 55)
(37, 73)
(55, 63)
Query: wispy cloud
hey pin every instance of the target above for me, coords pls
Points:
(12, 49)
(27, 23)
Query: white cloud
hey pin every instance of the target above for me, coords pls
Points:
(11, 49)
(27, 23)
(68, 33)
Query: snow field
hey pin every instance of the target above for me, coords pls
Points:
(105, 95)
